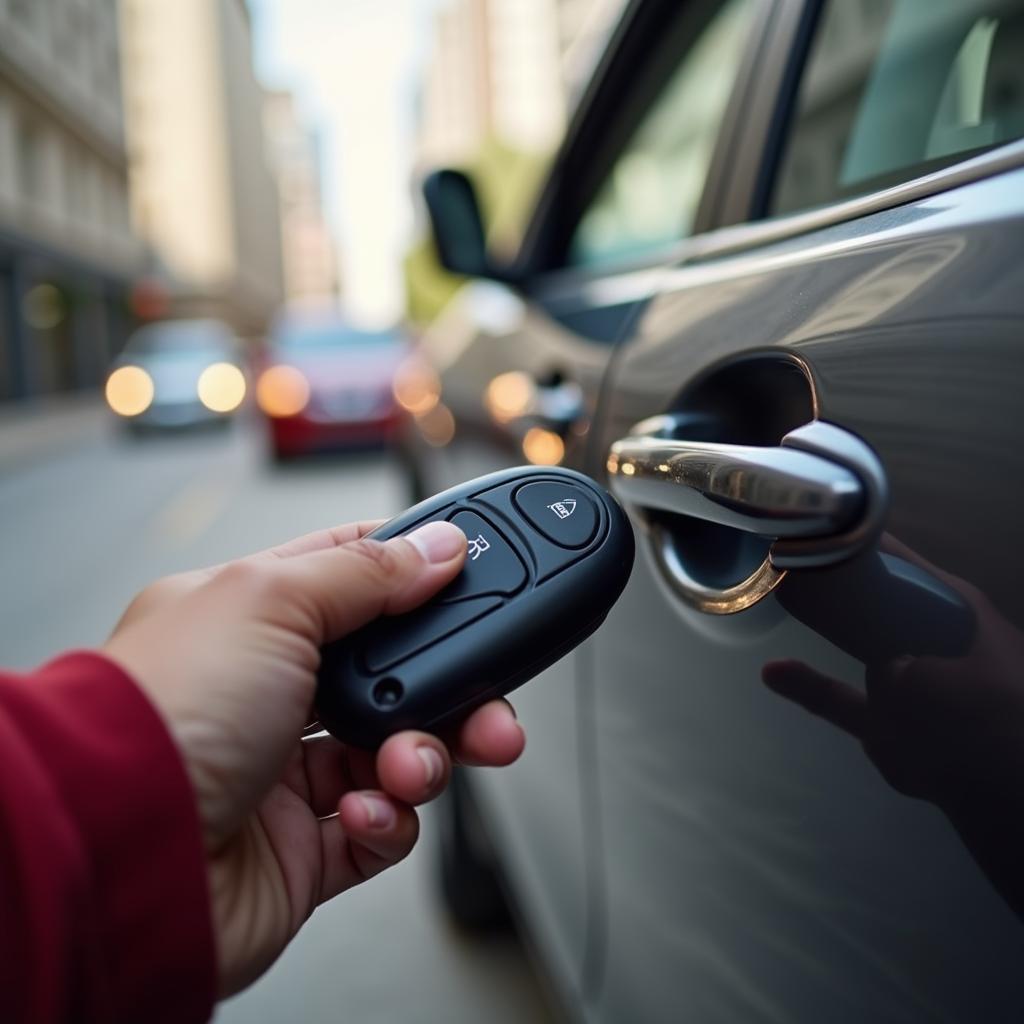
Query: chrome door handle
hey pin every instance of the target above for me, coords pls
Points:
(820, 494)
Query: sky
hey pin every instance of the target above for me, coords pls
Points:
(354, 66)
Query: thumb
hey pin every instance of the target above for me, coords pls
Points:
(346, 587)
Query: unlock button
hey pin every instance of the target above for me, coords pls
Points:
(492, 566)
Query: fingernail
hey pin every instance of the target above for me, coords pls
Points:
(432, 763)
(438, 542)
(379, 813)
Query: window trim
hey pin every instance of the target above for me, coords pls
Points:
(750, 126)
(740, 238)
(744, 223)
(574, 168)
(784, 90)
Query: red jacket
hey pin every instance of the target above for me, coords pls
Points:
(104, 909)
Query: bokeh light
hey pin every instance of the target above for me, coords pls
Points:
(129, 391)
(437, 426)
(221, 387)
(509, 395)
(43, 307)
(543, 447)
(417, 387)
(282, 391)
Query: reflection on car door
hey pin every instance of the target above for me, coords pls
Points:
(757, 864)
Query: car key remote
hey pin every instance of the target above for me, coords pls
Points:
(548, 554)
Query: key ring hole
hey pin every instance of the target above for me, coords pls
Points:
(388, 692)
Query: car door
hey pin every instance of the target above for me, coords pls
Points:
(521, 363)
(758, 862)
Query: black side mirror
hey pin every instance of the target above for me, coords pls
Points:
(458, 227)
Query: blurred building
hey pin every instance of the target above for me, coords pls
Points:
(310, 266)
(494, 74)
(67, 253)
(203, 195)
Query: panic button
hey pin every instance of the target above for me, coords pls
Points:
(562, 512)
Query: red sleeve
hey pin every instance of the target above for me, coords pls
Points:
(104, 909)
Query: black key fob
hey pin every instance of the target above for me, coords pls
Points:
(548, 554)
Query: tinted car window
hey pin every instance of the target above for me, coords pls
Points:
(896, 88)
(311, 336)
(180, 336)
(651, 194)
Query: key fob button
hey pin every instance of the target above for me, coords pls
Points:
(561, 512)
(491, 567)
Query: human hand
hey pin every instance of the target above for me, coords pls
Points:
(229, 656)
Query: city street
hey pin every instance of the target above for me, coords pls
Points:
(93, 516)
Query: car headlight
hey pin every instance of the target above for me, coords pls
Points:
(221, 387)
(282, 391)
(129, 391)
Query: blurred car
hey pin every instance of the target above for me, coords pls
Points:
(178, 373)
(324, 384)
(773, 229)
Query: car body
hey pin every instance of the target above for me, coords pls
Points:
(766, 215)
(178, 373)
(324, 384)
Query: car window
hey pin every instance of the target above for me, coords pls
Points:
(651, 194)
(333, 335)
(180, 336)
(896, 88)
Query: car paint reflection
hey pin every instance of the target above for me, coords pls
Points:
(941, 713)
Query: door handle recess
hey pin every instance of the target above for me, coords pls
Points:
(820, 495)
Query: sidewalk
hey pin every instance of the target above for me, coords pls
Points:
(32, 430)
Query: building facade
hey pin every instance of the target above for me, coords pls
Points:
(68, 256)
(494, 73)
(203, 195)
(310, 265)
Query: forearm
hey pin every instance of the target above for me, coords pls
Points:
(103, 902)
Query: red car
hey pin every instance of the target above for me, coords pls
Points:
(324, 384)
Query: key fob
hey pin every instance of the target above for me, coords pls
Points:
(549, 552)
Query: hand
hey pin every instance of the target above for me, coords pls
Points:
(229, 656)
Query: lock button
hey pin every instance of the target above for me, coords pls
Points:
(561, 512)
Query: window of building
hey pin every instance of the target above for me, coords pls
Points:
(896, 88)
(29, 162)
(73, 199)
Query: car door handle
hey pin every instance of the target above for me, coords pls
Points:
(820, 493)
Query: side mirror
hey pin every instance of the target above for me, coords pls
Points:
(458, 227)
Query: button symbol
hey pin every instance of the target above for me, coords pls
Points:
(477, 547)
(564, 509)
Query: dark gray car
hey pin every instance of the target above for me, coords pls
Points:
(769, 214)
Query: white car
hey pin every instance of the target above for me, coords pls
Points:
(178, 373)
